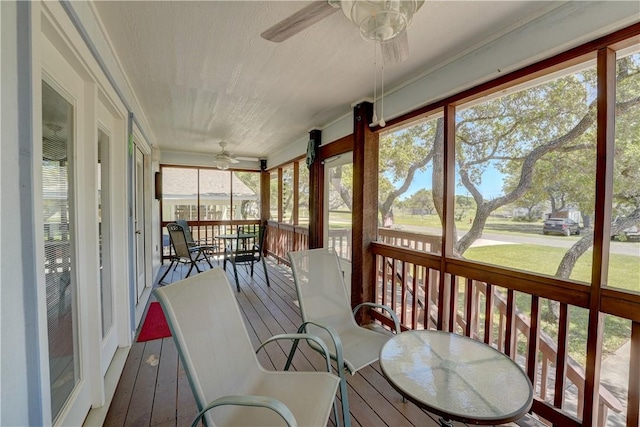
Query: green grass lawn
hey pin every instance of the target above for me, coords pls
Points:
(624, 272)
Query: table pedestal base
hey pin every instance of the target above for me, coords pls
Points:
(445, 422)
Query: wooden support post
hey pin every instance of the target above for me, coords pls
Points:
(265, 200)
(296, 192)
(280, 196)
(316, 193)
(365, 206)
(265, 193)
(447, 209)
(602, 229)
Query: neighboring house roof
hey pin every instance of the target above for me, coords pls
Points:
(182, 183)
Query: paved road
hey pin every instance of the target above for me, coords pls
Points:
(624, 248)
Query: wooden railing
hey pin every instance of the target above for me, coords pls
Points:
(282, 238)
(423, 297)
(405, 239)
(340, 242)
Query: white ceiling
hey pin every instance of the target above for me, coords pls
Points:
(202, 73)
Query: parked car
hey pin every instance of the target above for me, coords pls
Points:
(631, 233)
(564, 226)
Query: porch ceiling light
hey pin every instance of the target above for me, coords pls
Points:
(380, 20)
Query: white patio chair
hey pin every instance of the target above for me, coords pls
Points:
(222, 368)
(326, 312)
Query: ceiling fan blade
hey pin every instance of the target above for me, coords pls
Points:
(247, 159)
(396, 50)
(301, 20)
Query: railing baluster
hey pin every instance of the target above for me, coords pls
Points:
(428, 284)
(394, 272)
(385, 268)
(534, 336)
(403, 294)
(488, 314)
(469, 308)
(453, 303)
(561, 356)
(509, 339)
(414, 300)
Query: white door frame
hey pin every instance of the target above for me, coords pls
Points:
(109, 337)
(140, 295)
(69, 83)
(60, 56)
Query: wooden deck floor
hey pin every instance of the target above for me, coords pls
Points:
(154, 391)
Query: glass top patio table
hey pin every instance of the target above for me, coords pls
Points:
(456, 377)
(244, 237)
(236, 236)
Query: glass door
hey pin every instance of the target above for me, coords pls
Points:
(139, 223)
(59, 246)
(109, 336)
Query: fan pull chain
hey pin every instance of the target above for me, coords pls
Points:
(374, 119)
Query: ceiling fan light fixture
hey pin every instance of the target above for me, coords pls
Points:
(380, 20)
(223, 166)
(383, 26)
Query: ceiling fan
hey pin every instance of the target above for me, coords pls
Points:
(225, 158)
(383, 21)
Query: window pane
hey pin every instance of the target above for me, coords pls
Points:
(624, 258)
(339, 190)
(410, 187)
(179, 193)
(104, 224)
(215, 195)
(273, 195)
(525, 176)
(303, 193)
(287, 194)
(57, 206)
(246, 195)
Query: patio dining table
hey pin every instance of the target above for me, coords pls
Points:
(236, 236)
(456, 377)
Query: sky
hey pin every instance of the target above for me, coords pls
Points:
(491, 186)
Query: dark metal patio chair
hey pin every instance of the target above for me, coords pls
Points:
(240, 252)
(208, 245)
(183, 252)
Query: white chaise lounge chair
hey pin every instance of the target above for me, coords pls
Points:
(326, 312)
(223, 371)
